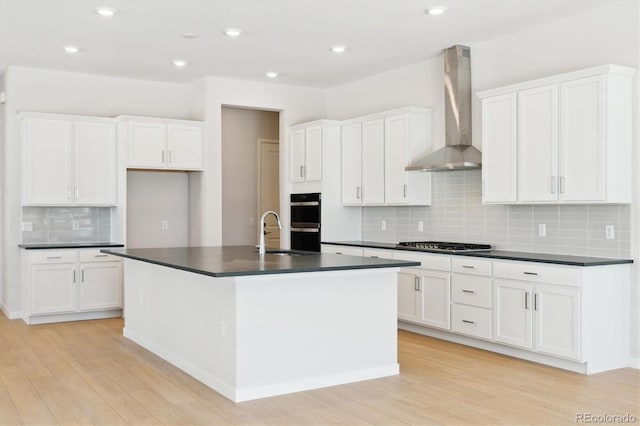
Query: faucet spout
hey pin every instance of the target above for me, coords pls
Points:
(261, 247)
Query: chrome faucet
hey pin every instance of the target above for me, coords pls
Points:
(261, 248)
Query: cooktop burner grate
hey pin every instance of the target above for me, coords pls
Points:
(444, 246)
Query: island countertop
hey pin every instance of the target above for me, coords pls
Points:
(230, 261)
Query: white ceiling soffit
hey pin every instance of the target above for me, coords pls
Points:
(291, 37)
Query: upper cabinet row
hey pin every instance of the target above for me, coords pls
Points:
(374, 153)
(72, 160)
(562, 139)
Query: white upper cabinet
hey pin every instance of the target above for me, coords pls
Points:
(499, 152)
(375, 151)
(154, 143)
(68, 160)
(572, 139)
(305, 163)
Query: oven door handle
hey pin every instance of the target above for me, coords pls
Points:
(316, 230)
(305, 203)
(305, 225)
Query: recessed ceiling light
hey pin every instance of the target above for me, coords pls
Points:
(105, 11)
(271, 74)
(189, 35)
(71, 49)
(437, 10)
(232, 32)
(179, 63)
(338, 49)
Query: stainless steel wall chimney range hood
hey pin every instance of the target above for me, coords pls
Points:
(458, 153)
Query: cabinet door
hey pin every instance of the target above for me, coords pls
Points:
(313, 154)
(52, 288)
(512, 313)
(396, 141)
(435, 294)
(373, 162)
(48, 173)
(296, 162)
(147, 144)
(351, 158)
(538, 144)
(100, 285)
(408, 297)
(557, 320)
(94, 163)
(499, 149)
(582, 139)
(184, 147)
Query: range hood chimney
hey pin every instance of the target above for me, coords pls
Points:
(458, 153)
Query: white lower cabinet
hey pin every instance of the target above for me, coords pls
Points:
(471, 307)
(71, 284)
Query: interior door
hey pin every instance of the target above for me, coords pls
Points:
(270, 190)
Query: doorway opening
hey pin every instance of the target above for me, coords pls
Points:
(250, 175)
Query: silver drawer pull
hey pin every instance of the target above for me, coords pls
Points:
(468, 267)
(530, 273)
(469, 322)
(338, 252)
(100, 255)
(468, 291)
(54, 257)
(374, 257)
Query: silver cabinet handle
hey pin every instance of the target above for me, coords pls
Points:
(553, 184)
(162, 155)
(535, 302)
(74, 275)
(562, 181)
(169, 155)
(404, 191)
(54, 257)
(526, 300)
(338, 252)
(82, 276)
(416, 284)
(375, 257)
(468, 267)
(301, 171)
(468, 291)
(100, 255)
(468, 322)
(68, 193)
(357, 193)
(77, 193)
(530, 273)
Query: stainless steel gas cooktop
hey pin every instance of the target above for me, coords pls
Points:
(443, 246)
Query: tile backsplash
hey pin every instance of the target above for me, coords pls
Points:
(457, 214)
(55, 224)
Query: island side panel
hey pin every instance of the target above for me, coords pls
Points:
(304, 331)
(188, 319)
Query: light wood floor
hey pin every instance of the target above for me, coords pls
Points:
(87, 373)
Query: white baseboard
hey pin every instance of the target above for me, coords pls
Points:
(10, 314)
(634, 363)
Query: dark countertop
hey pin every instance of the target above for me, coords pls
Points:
(558, 259)
(230, 261)
(42, 246)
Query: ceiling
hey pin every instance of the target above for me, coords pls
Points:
(292, 37)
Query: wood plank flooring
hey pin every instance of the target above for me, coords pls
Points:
(84, 373)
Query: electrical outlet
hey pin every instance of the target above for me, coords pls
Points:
(383, 225)
(27, 226)
(420, 226)
(252, 221)
(165, 225)
(75, 225)
(542, 230)
(609, 232)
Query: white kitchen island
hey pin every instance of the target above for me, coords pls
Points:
(251, 327)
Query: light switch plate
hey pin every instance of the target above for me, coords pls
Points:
(420, 226)
(27, 226)
(542, 230)
(609, 232)
(383, 225)
(75, 225)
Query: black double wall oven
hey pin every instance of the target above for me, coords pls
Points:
(305, 221)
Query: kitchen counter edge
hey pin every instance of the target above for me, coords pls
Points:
(46, 246)
(557, 259)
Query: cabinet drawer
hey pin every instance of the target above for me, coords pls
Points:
(428, 261)
(471, 290)
(471, 320)
(537, 273)
(468, 265)
(53, 256)
(348, 250)
(382, 254)
(94, 255)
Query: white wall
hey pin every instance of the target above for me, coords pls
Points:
(608, 34)
(30, 89)
(296, 105)
(153, 197)
(241, 129)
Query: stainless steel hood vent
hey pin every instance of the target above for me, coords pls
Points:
(458, 153)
